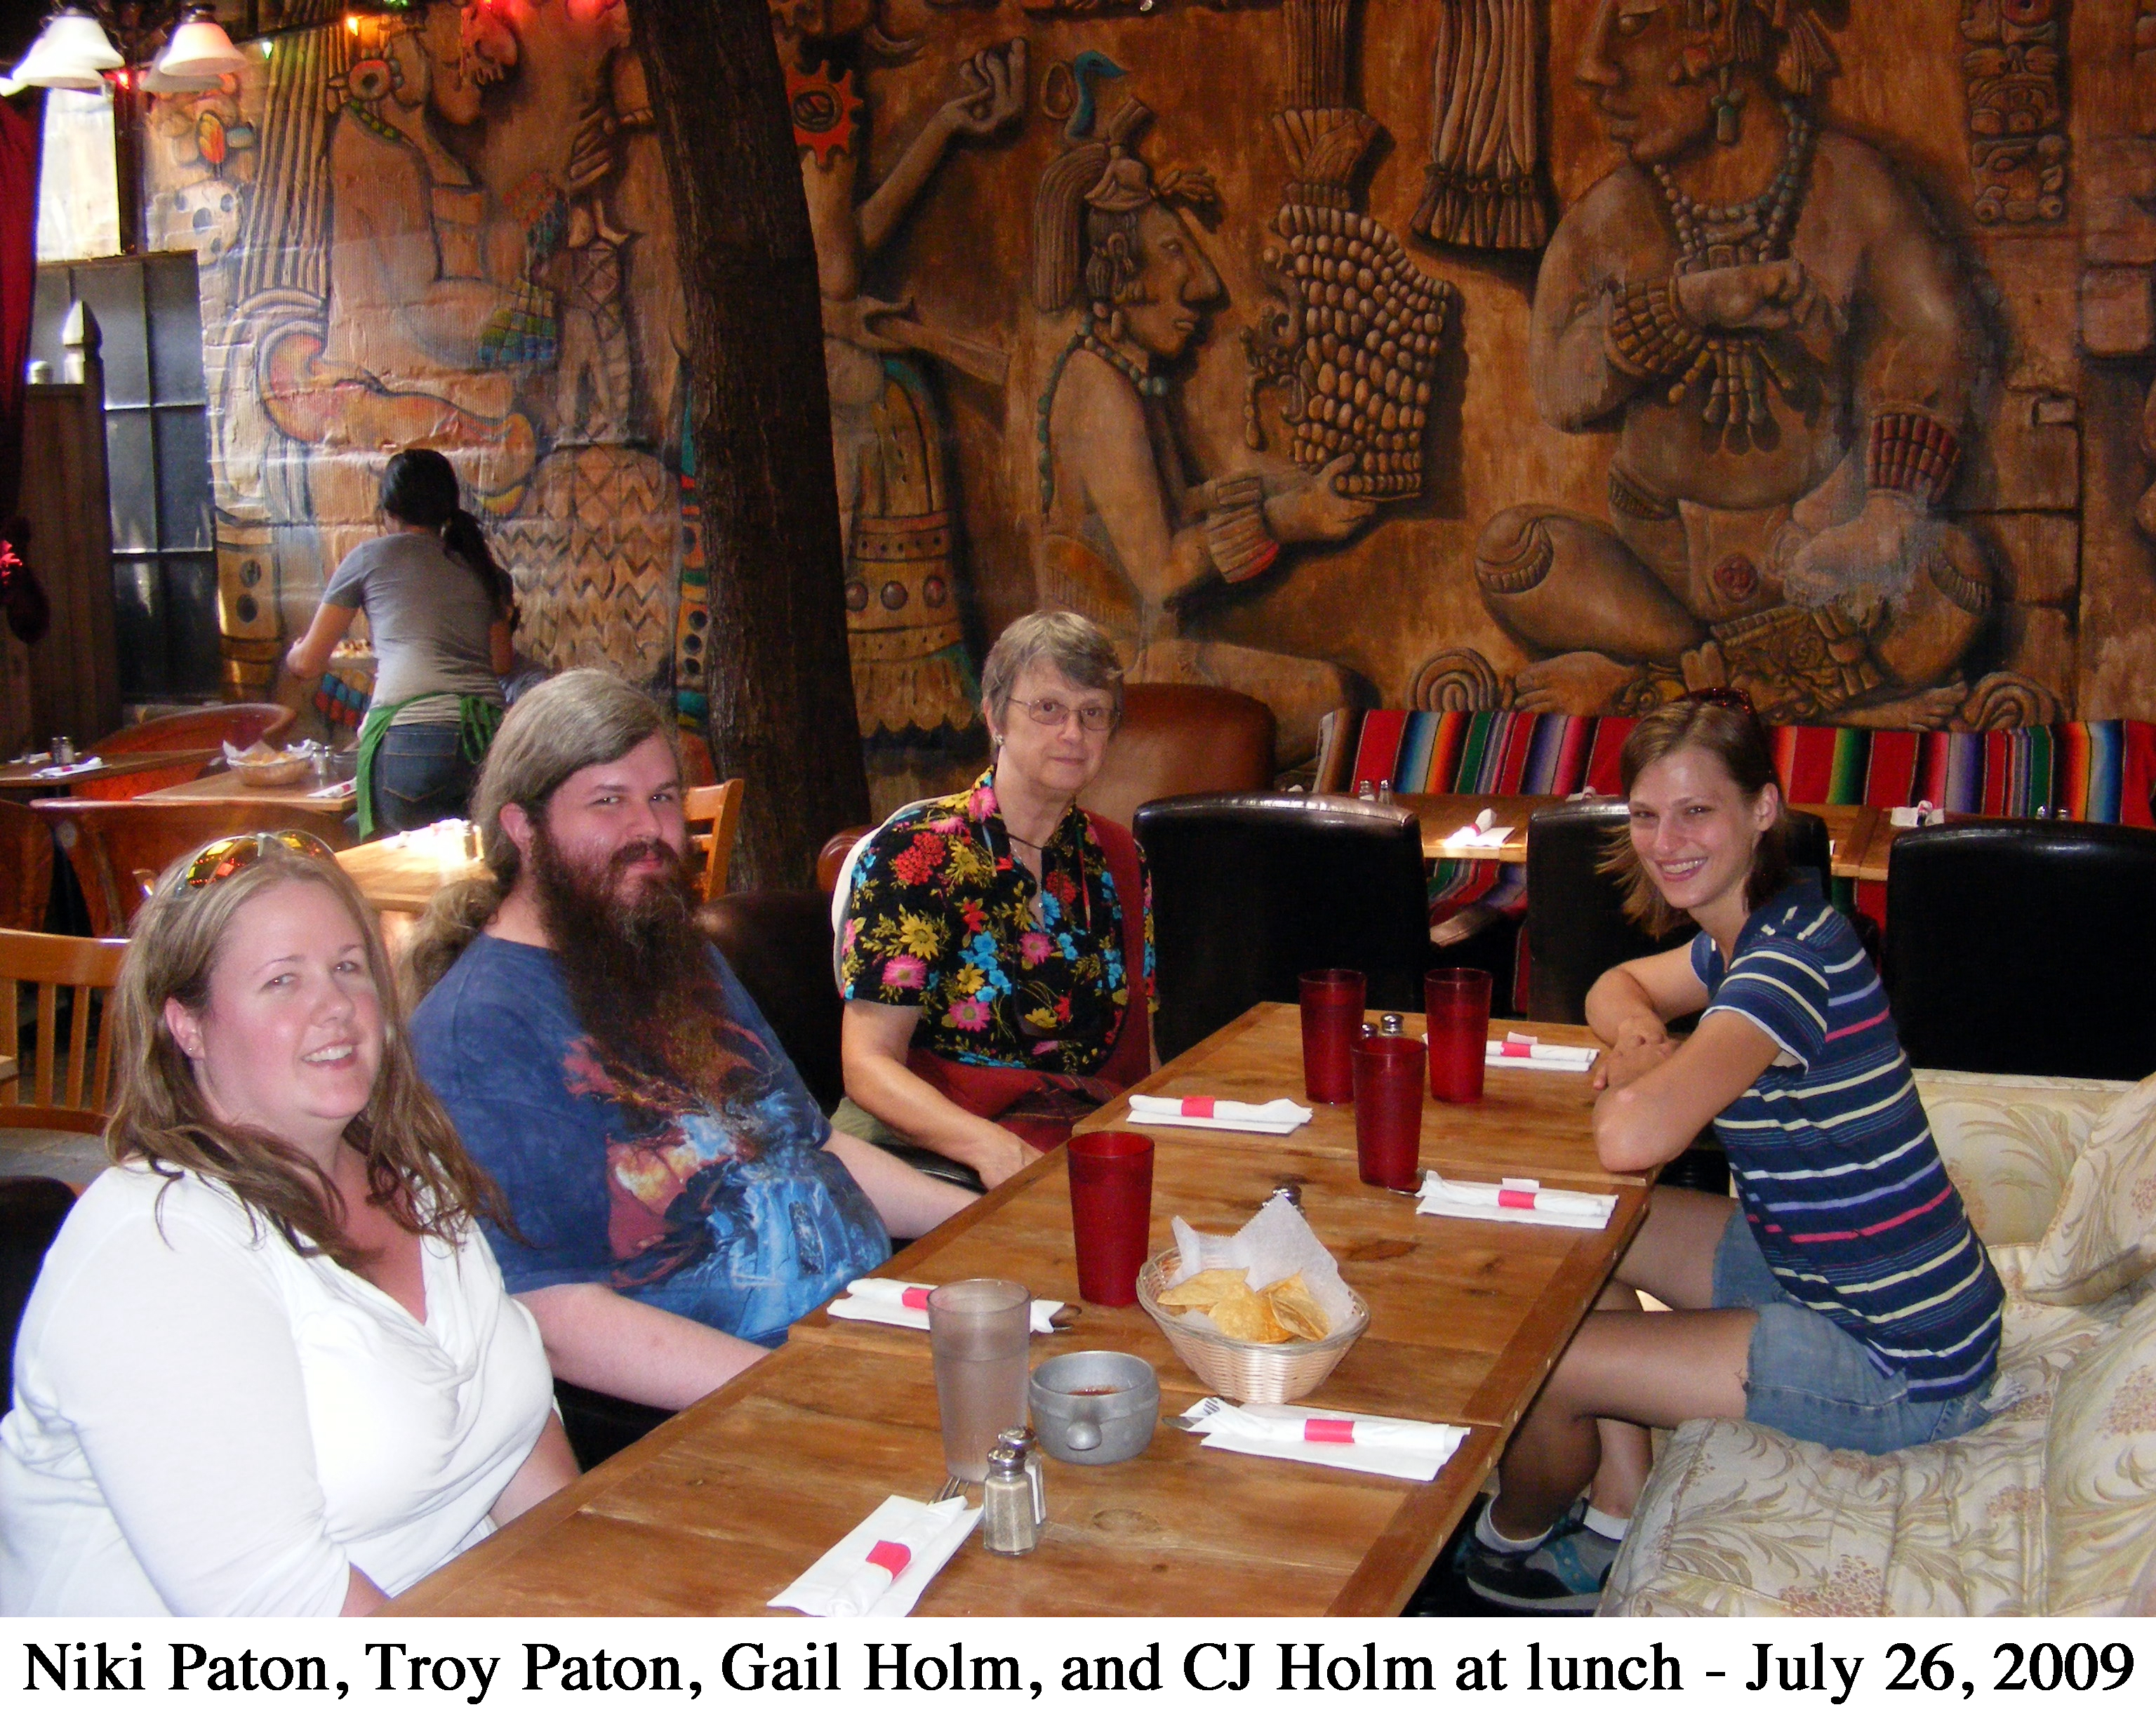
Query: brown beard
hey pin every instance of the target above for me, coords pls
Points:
(639, 976)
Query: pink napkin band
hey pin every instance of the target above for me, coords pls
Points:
(889, 1555)
(916, 1297)
(1522, 1198)
(1196, 1107)
(1328, 1432)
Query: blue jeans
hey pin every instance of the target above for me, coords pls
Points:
(1812, 1379)
(420, 775)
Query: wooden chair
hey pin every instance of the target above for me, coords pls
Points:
(713, 813)
(70, 1099)
(120, 848)
(213, 725)
(26, 868)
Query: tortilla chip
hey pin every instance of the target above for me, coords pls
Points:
(1295, 1307)
(1201, 1292)
(1248, 1317)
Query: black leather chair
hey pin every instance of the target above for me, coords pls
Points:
(1576, 930)
(1252, 890)
(2024, 948)
(32, 1209)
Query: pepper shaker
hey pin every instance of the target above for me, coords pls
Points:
(1020, 1440)
(1007, 1519)
(1392, 1025)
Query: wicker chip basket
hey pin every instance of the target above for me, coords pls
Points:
(273, 772)
(1248, 1372)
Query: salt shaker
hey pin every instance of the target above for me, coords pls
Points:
(1021, 1441)
(1391, 1026)
(1364, 791)
(1008, 1524)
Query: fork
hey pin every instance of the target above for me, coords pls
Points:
(953, 1487)
(1197, 1414)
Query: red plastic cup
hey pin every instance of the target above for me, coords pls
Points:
(1332, 1022)
(1389, 1074)
(1457, 1001)
(1110, 1213)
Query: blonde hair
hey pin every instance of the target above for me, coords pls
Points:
(416, 1167)
(569, 723)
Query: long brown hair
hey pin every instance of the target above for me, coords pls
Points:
(1733, 735)
(416, 1167)
(567, 724)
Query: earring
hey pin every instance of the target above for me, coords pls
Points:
(1728, 110)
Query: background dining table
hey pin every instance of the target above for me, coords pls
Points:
(228, 787)
(728, 1502)
(28, 781)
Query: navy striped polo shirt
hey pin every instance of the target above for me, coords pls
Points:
(1834, 1160)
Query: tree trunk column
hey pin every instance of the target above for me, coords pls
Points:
(780, 686)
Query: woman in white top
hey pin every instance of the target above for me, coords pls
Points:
(268, 1366)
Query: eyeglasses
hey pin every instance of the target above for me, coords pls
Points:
(1049, 712)
(233, 854)
(1730, 698)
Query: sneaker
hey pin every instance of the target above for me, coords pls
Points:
(1565, 1574)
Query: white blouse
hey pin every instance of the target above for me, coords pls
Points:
(205, 1422)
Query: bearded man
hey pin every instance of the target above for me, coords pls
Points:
(680, 1198)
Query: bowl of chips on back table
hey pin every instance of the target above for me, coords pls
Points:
(1259, 1367)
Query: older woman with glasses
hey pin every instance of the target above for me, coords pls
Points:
(996, 949)
(269, 1366)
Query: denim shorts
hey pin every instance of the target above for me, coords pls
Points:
(1812, 1379)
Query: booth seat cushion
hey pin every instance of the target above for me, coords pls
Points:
(2010, 1144)
(2102, 1237)
(2101, 1453)
(1740, 1519)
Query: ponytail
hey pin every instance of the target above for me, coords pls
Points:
(458, 913)
(462, 537)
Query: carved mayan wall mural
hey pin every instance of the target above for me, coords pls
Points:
(1554, 355)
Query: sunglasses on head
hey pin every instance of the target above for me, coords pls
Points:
(1730, 698)
(221, 858)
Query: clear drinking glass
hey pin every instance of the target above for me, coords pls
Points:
(978, 1330)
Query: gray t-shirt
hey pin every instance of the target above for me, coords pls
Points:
(430, 615)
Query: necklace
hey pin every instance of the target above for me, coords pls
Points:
(1731, 235)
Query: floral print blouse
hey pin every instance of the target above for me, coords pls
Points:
(943, 920)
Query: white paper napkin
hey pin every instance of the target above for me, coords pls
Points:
(1518, 1199)
(1277, 1243)
(331, 791)
(1282, 1115)
(53, 771)
(1484, 832)
(887, 1301)
(1917, 816)
(910, 1543)
(1524, 1050)
(1370, 1444)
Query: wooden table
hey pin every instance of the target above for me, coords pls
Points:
(401, 877)
(25, 780)
(225, 788)
(1860, 836)
(730, 1500)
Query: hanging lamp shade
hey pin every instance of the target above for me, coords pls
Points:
(199, 47)
(71, 52)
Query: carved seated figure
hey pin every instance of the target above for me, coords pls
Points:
(1765, 311)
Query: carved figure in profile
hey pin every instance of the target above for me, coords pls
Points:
(904, 615)
(1763, 309)
(395, 359)
(1129, 538)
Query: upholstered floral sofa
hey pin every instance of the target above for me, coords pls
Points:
(2050, 1507)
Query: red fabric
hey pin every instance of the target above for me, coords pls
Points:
(1005, 1095)
(18, 286)
(2137, 769)
(1378, 753)
(1610, 734)
(1328, 1432)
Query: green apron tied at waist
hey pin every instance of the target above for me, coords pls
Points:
(477, 721)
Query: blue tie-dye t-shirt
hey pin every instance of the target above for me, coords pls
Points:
(743, 1224)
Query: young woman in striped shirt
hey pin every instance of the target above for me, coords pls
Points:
(1842, 1296)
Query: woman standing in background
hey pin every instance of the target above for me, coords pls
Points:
(442, 613)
